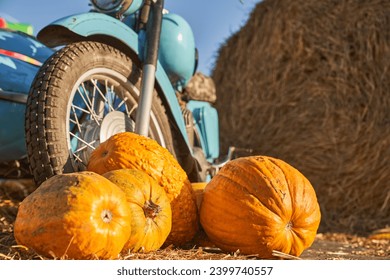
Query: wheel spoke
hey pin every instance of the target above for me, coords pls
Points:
(87, 104)
(123, 102)
(102, 94)
(90, 145)
(78, 159)
(93, 99)
(131, 110)
(80, 109)
(82, 148)
(76, 119)
(86, 95)
(111, 96)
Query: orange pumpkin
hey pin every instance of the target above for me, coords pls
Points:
(198, 189)
(76, 216)
(259, 204)
(151, 219)
(133, 151)
(383, 233)
(201, 239)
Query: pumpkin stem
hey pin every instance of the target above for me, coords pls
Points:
(289, 225)
(151, 209)
(106, 216)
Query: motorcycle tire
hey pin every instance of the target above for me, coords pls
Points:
(86, 92)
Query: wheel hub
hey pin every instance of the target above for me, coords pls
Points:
(113, 123)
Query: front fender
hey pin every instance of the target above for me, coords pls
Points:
(79, 26)
(114, 32)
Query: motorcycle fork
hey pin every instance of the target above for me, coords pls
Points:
(153, 13)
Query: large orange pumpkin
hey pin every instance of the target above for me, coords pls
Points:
(259, 204)
(133, 151)
(151, 219)
(76, 216)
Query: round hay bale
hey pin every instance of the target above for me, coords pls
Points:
(308, 82)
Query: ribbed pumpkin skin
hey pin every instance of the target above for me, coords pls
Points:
(133, 151)
(68, 216)
(258, 204)
(151, 218)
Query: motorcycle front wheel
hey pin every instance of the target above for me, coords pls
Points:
(85, 93)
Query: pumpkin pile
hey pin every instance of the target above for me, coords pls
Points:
(135, 197)
(130, 150)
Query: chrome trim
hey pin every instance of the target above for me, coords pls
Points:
(13, 96)
(142, 118)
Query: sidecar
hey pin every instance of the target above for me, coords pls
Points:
(21, 55)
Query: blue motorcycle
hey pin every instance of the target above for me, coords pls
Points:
(124, 66)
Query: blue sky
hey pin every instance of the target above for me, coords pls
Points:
(213, 21)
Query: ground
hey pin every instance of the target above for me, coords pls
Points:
(327, 246)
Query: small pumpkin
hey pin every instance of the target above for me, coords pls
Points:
(151, 219)
(258, 204)
(383, 233)
(201, 239)
(76, 216)
(127, 150)
(198, 188)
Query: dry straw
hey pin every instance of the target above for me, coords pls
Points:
(308, 82)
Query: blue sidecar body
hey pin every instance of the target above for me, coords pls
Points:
(21, 55)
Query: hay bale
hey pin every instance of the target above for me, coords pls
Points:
(309, 82)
